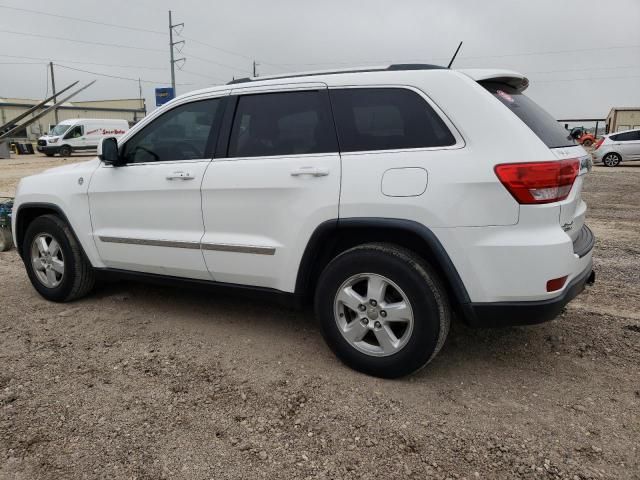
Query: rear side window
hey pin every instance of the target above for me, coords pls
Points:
(386, 119)
(626, 136)
(535, 117)
(289, 123)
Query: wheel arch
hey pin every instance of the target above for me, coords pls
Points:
(335, 236)
(27, 212)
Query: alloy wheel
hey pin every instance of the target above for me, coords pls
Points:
(373, 314)
(47, 260)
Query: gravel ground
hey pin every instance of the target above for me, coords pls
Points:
(144, 382)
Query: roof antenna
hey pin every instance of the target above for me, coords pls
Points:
(454, 55)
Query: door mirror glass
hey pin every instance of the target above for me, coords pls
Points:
(108, 151)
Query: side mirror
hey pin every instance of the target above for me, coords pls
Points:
(108, 152)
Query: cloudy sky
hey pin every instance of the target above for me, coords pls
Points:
(582, 56)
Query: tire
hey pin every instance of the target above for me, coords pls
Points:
(407, 277)
(49, 154)
(587, 143)
(65, 151)
(611, 159)
(77, 277)
(6, 241)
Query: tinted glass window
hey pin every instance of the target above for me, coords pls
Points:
(626, 136)
(75, 132)
(289, 123)
(386, 119)
(179, 134)
(535, 117)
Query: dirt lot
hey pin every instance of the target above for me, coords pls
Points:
(149, 382)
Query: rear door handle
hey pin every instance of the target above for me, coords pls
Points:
(180, 176)
(313, 171)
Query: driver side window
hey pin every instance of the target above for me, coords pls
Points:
(179, 134)
(75, 132)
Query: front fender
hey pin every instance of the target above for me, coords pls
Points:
(62, 191)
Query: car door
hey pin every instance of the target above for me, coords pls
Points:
(147, 214)
(75, 137)
(271, 184)
(633, 145)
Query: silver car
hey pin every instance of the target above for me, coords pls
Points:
(617, 147)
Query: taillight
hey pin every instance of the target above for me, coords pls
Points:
(539, 182)
(598, 143)
(556, 283)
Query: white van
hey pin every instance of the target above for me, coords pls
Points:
(80, 134)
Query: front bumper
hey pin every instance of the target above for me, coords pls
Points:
(502, 314)
(48, 149)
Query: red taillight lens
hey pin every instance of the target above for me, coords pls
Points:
(556, 284)
(598, 143)
(539, 182)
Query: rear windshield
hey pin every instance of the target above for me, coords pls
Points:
(537, 119)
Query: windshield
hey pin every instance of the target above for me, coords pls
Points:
(59, 130)
(536, 118)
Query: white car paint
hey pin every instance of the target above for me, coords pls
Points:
(628, 149)
(503, 251)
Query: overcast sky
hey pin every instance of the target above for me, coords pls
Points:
(582, 56)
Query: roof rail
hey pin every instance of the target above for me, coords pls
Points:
(393, 67)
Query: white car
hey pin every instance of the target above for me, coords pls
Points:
(80, 134)
(391, 198)
(617, 147)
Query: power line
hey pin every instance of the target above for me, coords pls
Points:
(588, 78)
(77, 19)
(46, 60)
(206, 60)
(229, 52)
(118, 77)
(113, 45)
(216, 79)
(464, 57)
(584, 69)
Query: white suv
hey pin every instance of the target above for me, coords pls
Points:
(390, 197)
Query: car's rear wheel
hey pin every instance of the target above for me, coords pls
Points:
(54, 260)
(65, 151)
(611, 159)
(382, 309)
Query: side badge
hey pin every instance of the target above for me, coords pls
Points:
(80, 181)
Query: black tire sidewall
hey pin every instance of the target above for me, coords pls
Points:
(410, 277)
(65, 151)
(47, 225)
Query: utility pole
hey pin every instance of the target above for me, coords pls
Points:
(172, 44)
(53, 90)
(255, 71)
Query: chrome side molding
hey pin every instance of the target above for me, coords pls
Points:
(220, 247)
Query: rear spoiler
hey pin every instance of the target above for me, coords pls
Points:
(511, 78)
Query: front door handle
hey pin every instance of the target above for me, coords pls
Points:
(314, 171)
(180, 176)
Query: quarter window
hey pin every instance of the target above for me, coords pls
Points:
(386, 119)
(180, 134)
(288, 123)
(626, 136)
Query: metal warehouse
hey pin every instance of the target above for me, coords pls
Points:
(620, 119)
(131, 110)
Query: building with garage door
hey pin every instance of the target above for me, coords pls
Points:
(132, 110)
(620, 119)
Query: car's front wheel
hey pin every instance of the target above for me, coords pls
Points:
(382, 309)
(54, 260)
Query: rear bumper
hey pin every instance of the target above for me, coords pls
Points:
(502, 314)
